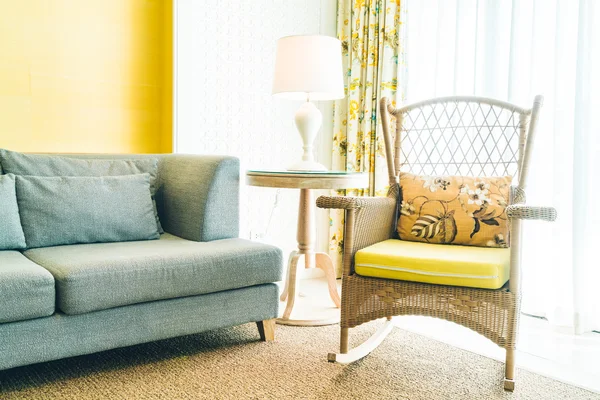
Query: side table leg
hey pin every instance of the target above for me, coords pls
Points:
(324, 262)
(287, 276)
(306, 226)
(291, 284)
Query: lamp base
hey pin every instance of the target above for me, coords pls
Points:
(308, 121)
(307, 165)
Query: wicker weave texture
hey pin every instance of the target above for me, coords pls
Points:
(488, 312)
(522, 211)
(517, 195)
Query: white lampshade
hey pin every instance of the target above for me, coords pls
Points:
(308, 67)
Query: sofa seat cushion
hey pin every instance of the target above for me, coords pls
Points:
(91, 277)
(480, 267)
(26, 289)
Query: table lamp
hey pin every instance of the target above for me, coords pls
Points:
(308, 67)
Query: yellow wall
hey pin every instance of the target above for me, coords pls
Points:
(86, 75)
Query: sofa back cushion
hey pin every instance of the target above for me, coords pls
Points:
(11, 233)
(50, 165)
(70, 210)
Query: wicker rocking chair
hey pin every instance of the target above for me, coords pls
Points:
(468, 136)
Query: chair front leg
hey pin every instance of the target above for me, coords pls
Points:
(344, 341)
(509, 375)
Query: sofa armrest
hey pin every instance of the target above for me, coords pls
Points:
(198, 197)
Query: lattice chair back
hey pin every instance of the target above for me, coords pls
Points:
(460, 135)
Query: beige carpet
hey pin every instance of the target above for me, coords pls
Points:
(233, 364)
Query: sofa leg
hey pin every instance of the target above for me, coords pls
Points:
(266, 330)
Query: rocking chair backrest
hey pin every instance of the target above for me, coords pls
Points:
(460, 135)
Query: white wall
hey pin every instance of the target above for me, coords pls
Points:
(224, 59)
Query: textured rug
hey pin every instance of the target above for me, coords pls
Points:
(232, 364)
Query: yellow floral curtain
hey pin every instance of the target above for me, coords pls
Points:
(370, 32)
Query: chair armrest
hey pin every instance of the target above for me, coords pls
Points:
(522, 211)
(349, 202)
(369, 220)
(198, 197)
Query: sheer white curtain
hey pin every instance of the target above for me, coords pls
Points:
(513, 50)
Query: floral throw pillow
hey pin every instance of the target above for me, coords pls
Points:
(454, 210)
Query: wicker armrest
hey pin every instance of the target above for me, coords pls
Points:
(521, 211)
(349, 202)
(369, 220)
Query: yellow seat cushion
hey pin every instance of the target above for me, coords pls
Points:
(480, 267)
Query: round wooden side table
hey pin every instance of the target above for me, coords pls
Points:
(306, 181)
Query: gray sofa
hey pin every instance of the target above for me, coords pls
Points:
(63, 301)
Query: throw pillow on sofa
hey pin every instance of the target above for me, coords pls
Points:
(11, 233)
(70, 210)
(50, 165)
(454, 210)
